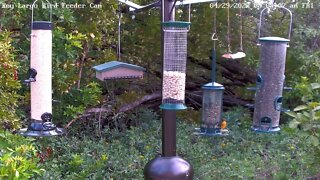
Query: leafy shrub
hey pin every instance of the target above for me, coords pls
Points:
(306, 117)
(77, 100)
(8, 84)
(18, 158)
(124, 154)
(116, 155)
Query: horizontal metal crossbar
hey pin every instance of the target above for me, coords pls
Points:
(136, 7)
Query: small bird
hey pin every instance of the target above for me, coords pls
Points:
(223, 124)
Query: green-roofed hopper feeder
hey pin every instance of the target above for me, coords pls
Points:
(118, 70)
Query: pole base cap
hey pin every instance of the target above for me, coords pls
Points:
(168, 168)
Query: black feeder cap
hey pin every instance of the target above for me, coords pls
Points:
(42, 25)
(41, 129)
(163, 168)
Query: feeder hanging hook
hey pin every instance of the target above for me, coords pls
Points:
(32, 12)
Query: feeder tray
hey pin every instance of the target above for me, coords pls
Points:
(237, 55)
(265, 126)
(39, 129)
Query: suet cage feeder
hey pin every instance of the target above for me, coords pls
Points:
(40, 80)
(174, 64)
(270, 82)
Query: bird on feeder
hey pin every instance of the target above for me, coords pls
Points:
(223, 124)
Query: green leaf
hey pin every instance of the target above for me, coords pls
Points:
(17, 174)
(301, 107)
(294, 124)
(315, 85)
(314, 140)
(292, 114)
(316, 108)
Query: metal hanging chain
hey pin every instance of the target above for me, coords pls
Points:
(241, 28)
(119, 32)
(228, 32)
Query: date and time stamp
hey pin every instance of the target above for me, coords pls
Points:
(251, 5)
(219, 5)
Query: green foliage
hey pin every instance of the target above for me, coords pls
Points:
(306, 117)
(80, 99)
(189, 115)
(118, 154)
(123, 154)
(9, 85)
(18, 158)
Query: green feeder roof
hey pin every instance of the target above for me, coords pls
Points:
(273, 39)
(116, 64)
(213, 86)
(178, 24)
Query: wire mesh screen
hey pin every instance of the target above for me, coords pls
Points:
(174, 65)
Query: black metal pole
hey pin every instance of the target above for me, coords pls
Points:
(214, 61)
(169, 133)
(169, 166)
(169, 116)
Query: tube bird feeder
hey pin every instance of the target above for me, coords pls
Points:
(174, 64)
(211, 109)
(40, 80)
(270, 82)
(211, 104)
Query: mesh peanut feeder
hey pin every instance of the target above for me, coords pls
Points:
(270, 81)
(174, 66)
(40, 80)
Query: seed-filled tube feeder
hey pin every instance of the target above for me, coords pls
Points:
(174, 64)
(212, 97)
(211, 108)
(270, 83)
(40, 80)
